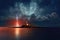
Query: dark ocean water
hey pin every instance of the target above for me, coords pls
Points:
(24, 34)
(30, 33)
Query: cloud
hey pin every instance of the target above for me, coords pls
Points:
(23, 10)
(52, 16)
(28, 11)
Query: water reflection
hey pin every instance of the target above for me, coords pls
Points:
(14, 33)
(22, 33)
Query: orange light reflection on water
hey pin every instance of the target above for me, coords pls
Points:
(20, 32)
(15, 32)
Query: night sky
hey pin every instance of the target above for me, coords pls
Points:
(47, 13)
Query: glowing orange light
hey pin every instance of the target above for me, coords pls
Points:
(27, 24)
(17, 23)
(17, 31)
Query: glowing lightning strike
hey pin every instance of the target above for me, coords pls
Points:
(17, 24)
(17, 29)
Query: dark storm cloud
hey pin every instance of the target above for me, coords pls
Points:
(49, 6)
(47, 11)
